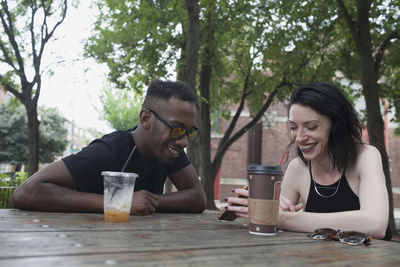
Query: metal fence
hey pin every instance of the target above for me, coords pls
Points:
(5, 194)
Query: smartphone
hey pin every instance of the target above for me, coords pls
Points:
(229, 215)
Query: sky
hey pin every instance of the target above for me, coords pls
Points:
(75, 86)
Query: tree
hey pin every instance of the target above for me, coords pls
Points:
(137, 40)
(53, 134)
(265, 52)
(120, 108)
(27, 26)
(249, 53)
(374, 27)
(14, 135)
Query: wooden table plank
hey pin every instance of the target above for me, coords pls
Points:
(75, 242)
(65, 239)
(22, 221)
(325, 254)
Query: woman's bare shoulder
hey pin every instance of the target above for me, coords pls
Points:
(368, 160)
(296, 167)
(297, 163)
(368, 152)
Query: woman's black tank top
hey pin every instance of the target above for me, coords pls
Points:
(343, 200)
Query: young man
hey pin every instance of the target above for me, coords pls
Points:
(167, 123)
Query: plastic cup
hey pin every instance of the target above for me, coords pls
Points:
(264, 192)
(118, 193)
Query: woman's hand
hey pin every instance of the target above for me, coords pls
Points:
(239, 203)
(287, 205)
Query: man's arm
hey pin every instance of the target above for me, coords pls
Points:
(52, 189)
(190, 196)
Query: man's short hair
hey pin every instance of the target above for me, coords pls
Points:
(164, 90)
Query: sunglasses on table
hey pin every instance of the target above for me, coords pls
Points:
(178, 132)
(347, 237)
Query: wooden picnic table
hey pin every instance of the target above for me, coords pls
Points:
(30, 238)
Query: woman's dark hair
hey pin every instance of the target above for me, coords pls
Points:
(164, 90)
(345, 133)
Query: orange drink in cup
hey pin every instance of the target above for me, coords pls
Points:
(118, 193)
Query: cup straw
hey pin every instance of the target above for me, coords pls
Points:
(283, 155)
(130, 155)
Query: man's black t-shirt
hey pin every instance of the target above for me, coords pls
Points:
(110, 154)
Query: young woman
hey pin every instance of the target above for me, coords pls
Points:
(336, 181)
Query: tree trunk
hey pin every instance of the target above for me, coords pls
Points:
(206, 172)
(190, 70)
(254, 144)
(205, 139)
(375, 124)
(369, 80)
(192, 48)
(33, 138)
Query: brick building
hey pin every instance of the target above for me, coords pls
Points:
(274, 140)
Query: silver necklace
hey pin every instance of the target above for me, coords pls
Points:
(315, 184)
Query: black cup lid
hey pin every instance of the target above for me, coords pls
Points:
(268, 169)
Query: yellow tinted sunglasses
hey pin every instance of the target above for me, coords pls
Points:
(178, 132)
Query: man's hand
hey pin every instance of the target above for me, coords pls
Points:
(143, 203)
